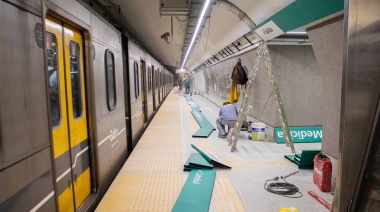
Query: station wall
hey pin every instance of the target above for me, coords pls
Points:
(296, 73)
(327, 42)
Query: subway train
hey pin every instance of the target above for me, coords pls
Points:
(76, 95)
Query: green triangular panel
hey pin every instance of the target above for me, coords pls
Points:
(209, 156)
(304, 160)
(197, 160)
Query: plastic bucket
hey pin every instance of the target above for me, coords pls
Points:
(258, 131)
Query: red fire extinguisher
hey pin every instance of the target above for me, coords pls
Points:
(322, 172)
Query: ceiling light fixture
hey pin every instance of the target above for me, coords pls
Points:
(205, 6)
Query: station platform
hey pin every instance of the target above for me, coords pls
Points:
(153, 176)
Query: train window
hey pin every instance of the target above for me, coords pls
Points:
(110, 79)
(52, 67)
(149, 79)
(75, 75)
(136, 72)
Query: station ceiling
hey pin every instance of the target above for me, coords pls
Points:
(221, 27)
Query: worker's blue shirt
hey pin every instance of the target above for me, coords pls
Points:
(228, 112)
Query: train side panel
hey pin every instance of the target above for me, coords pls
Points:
(32, 175)
(109, 101)
(25, 162)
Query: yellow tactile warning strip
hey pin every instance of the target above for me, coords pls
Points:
(152, 177)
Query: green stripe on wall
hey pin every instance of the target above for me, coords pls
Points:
(302, 12)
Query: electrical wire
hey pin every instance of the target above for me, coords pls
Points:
(265, 105)
(258, 100)
(283, 188)
(208, 31)
(180, 19)
(183, 28)
(171, 32)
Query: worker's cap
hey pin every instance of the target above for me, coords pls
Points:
(226, 102)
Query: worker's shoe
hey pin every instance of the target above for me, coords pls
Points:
(222, 136)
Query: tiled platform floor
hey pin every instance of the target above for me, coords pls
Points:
(152, 178)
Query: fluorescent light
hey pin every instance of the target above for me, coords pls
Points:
(196, 31)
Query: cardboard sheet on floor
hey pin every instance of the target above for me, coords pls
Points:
(210, 157)
(197, 161)
(197, 191)
(305, 159)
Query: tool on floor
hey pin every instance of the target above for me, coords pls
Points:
(283, 188)
(320, 200)
(262, 50)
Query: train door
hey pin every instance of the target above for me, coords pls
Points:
(163, 85)
(127, 97)
(154, 88)
(64, 45)
(158, 85)
(144, 93)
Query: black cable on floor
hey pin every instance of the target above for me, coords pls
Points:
(283, 188)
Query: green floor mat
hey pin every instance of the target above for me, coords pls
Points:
(304, 160)
(197, 161)
(197, 191)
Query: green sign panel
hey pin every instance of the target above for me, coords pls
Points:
(300, 134)
(197, 191)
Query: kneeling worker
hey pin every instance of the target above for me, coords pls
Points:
(227, 116)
